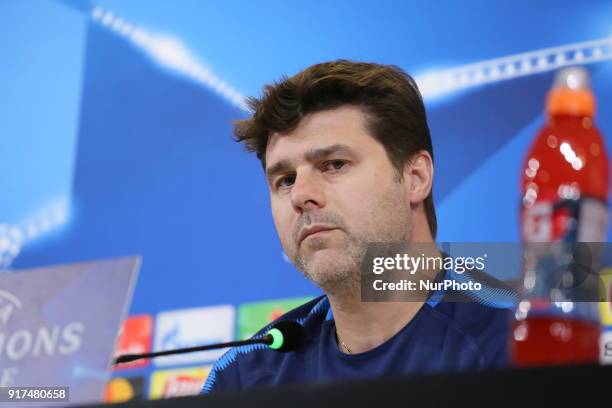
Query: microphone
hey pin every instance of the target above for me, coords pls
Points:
(283, 336)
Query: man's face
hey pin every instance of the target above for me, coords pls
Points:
(333, 189)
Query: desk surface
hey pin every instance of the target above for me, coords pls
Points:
(545, 387)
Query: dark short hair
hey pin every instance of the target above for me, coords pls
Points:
(390, 98)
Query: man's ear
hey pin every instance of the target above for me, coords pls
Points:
(418, 175)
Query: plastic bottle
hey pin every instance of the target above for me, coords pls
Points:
(564, 184)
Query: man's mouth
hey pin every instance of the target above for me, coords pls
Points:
(315, 229)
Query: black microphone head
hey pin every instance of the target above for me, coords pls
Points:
(287, 335)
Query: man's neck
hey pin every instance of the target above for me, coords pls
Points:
(363, 326)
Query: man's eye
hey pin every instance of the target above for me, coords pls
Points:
(334, 165)
(286, 181)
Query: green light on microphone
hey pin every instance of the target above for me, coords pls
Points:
(277, 337)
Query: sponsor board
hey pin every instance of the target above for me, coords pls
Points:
(605, 308)
(606, 346)
(177, 382)
(193, 327)
(135, 338)
(253, 316)
(121, 389)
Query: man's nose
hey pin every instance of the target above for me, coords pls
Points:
(306, 193)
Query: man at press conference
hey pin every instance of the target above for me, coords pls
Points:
(348, 160)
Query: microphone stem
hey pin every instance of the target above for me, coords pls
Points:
(132, 357)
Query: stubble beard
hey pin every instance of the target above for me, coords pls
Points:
(338, 273)
(337, 270)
